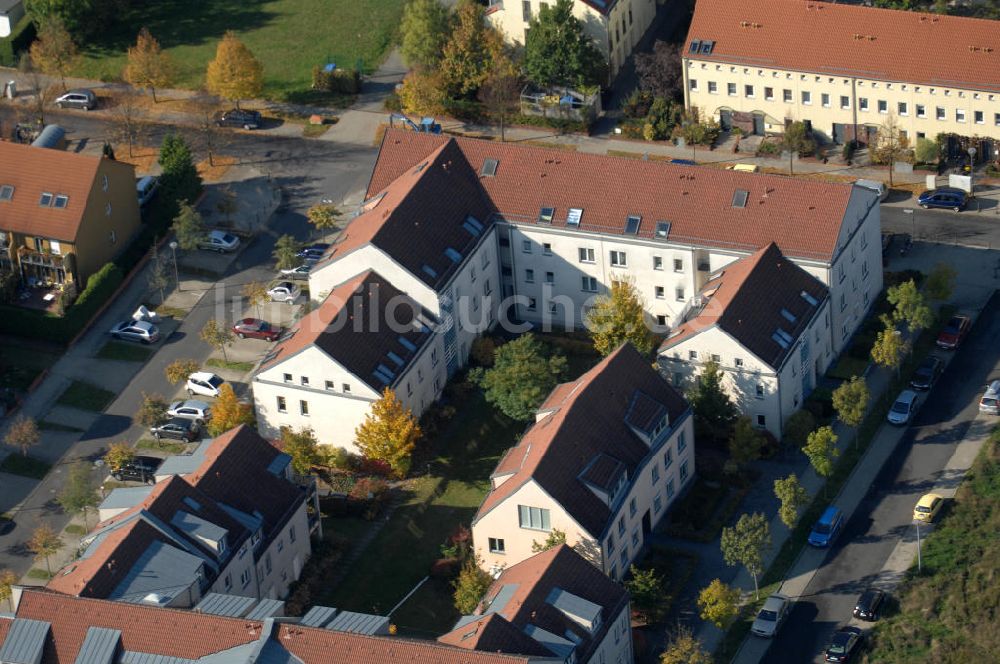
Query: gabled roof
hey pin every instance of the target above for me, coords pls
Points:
(757, 300)
(544, 591)
(843, 40)
(33, 171)
(803, 216)
(363, 324)
(589, 422)
(419, 217)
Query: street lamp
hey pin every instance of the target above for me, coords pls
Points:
(972, 166)
(173, 248)
(913, 222)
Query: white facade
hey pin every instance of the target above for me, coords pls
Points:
(281, 563)
(616, 647)
(9, 16)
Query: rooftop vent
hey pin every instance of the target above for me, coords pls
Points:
(489, 168)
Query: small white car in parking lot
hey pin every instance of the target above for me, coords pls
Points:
(284, 291)
(192, 409)
(219, 241)
(204, 383)
(990, 402)
(770, 616)
(903, 407)
(136, 330)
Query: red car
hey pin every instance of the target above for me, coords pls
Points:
(256, 328)
(954, 332)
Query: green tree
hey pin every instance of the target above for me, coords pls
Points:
(684, 648)
(7, 581)
(159, 274)
(926, 151)
(424, 31)
(54, 51)
(148, 66)
(78, 494)
(746, 442)
(188, 227)
(323, 216)
(821, 448)
(470, 586)
(256, 294)
(645, 587)
(71, 13)
(792, 495)
(118, 455)
(228, 412)
(423, 93)
(696, 132)
(152, 410)
(235, 73)
(45, 542)
(714, 411)
(719, 603)
(522, 375)
(389, 433)
(889, 349)
(555, 538)
(798, 427)
(468, 56)
(286, 252)
(890, 145)
(22, 434)
(179, 179)
(746, 543)
(940, 282)
(618, 317)
(303, 447)
(910, 306)
(217, 336)
(179, 370)
(797, 140)
(557, 51)
(850, 400)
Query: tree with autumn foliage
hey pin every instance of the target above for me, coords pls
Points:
(389, 433)
(303, 447)
(468, 57)
(148, 66)
(54, 52)
(22, 434)
(618, 317)
(228, 412)
(235, 73)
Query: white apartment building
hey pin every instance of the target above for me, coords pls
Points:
(844, 68)
(606, 457)
(766, 322)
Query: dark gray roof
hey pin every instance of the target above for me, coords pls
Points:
(198, 527)
(184, 464)
(100, 646)
(161, 570)
(359, 623)
(25, 641)
(267, 608)
(318, 616)
(125, 497)
(220, 604)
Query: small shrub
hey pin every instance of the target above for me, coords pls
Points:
(376, 467)
(341, 459)
(850, 148)
(371, 493)
(342, 81)
(769, 149)
(637, 104)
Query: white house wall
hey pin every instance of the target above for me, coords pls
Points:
(369, 257)
(616, 646)
(285, 556)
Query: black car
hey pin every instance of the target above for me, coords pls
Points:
(844, 644)
(238, 117)
(927, 373)
(869, 604)
(178, 428)
(139, 469)
(313, 252)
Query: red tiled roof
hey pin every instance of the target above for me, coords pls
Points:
(32, 171)
(746, 300)
(4, 627)
(589, 422)
(803, 216)
(851, 40)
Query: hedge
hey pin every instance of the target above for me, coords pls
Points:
(19, 40)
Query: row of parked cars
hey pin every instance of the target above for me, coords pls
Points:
(86, 100)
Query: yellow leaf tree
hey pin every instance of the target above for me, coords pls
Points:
(54, 51)
(618, 317)
(228, 412)
(389, 433)
(234, 73)
(148, 66)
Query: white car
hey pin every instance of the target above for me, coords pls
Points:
(192, 409)
(903, 407)
(770, 616)
(219, 241)
(284, 291)
(136, 330)
(300, 272)
(204, 383)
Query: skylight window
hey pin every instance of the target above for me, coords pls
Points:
(45, 200)
(809, 298)
(381, 368)
(60, 201)
(632, 224)
(407, 344)
(545, 215)
(6, 192)
(778, 339)
(573, 216)
(473, 225)
(706, 47)
(428, 270)
(695, 46)
(740, 197)
(489, 168)
(662, 230)
(385, 380)
(420, 168)
(396, 359)
(788, 315)
(453, 255)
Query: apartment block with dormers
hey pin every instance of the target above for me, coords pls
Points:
(844, 68)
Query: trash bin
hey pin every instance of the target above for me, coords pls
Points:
(10, 90)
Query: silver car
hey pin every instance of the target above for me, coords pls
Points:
(219, 241)
(284, 291)
(136, 330)
(79, 98)
(771, 615)
(990, 402)
(191, 409)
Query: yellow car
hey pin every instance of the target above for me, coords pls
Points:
(928, 507)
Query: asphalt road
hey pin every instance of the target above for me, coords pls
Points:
(978, 225)
(886, 513)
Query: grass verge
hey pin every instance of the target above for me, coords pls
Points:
(46, 425)
(85, 397)
(169, 447)
(638, 155)
(315, 131)
(25, 466)
(847, 367)
(75, 529)
(119, 350)
(22, 361)
(229, 364)
(36, 573)
(173, 312)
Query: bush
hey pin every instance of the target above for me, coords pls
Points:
(19, 40)
(482, 351)
(341, 459)
(637, 104)
(567, 126)
(769, 149)
(370, 493)
(392, 103)
(850, 147)
(343, 81)
(376, 467)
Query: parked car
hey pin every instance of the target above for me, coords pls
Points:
(314, 251)
(220, 241)
(204, 383)
(684, 162)
(139, 469)
(136, 330)
(300, 273)
(990, 402)
(284, 291)
(844, 644)
(178, 428)
(827, 527)
(256, 328)
(927, 507)
(927, 373)
(869, 604)
(903, 407)
(943, 197)
(771, 615)
(876, 186)
(238, 117)
(954, 332)
(145, 188)
(191, 409)
(78, 98)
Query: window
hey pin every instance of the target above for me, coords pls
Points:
(329, 386)
(668, 459)
(267, 564)
(731, 89)
(748, 91)
(346, 387)
(761, 421)
(245, 578)
(807, 97)
(586, 255)
(824, 99)
(631, 507)
(996, 121)
(883, 106)
(635, 538)
(939, 113)
(769, 94)
(487, 289)
(304, 380)
(786, 96)
(864, 269)
(760, 390)
(282, 407)
(496, 545)
(304, 408)
(611, 543)
(228, 581)
(738, 361)
(529, 276)
(693, 84)
(716, 358)
(670, 488)
(589, 284)
(434, 357)
(531, 304)
(921, 111)
(657, 504)
(657, 262)
(534, 518)
(713, 88)
(681, 442)
(684, 472)
(679, 293)
(107, 209)
(104, 182)
(112, 237)
(546, 249)
(678, 265)
(618, 259)
(291, 533)
(959, 115)
(472, 274)
(656, 472)
(977, 117)
(863, 103)
(614, 575)
(526, 11)
(550, 277)
(621, 526)
(526, 246)
(692, 355)
(45, 200)
(60, 201)
(659, 291)
(288, 377)
(661, 320)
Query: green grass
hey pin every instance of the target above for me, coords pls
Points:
(314, 131)
(46, 425)
(75, 529)
(119, 350)
(25, 466)
(172, 312)
(36, 573)
(229, 364)
(21, 362)
(85, 397)
(846, 367)
(289, 37)
(168, 446)
(429, 611)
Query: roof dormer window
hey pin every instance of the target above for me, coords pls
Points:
(45, 200)
(6, 192)
(60, 201)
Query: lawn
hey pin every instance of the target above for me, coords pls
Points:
(21, 362)
(166, 446)
(85, 397)
(219, 363)
(120, 350)
(288, 36)
(25, 466)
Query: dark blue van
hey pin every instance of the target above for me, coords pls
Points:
(827, 528)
